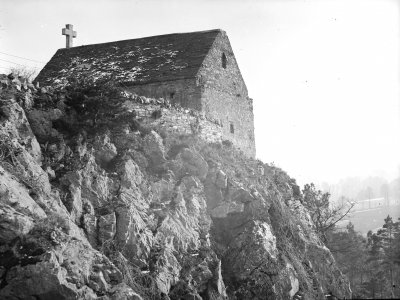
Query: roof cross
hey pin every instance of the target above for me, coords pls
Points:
(69, 34)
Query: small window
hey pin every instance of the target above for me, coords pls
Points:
(223, 59)
(250, 135)
(232, 128)
(171, 95)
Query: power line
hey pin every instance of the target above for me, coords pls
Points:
(11, 62)
(22, 57)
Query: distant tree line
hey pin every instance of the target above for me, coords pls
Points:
(363, 189)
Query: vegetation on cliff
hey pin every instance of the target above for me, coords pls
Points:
(98, 202)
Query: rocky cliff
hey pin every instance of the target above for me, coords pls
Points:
(101, 200)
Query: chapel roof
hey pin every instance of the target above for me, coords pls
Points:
(136, 61)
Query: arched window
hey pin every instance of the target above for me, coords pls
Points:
(223, 60)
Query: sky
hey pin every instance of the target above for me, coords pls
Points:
(324, 74)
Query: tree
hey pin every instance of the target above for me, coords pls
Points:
(372, 264)
(98, 103)
(350, 251)
(323, 214)
(383, 261)
(25, 72)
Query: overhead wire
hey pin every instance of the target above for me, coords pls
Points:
(23, 57)
(12, 62)
(18, 64)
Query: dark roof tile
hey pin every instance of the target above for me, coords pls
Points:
(138, 61)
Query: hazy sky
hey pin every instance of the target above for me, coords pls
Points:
(324, 75)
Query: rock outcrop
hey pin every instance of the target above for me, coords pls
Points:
(119, 207)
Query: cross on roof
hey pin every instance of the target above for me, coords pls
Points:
(69, 34)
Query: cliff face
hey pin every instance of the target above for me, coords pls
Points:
(121, 204)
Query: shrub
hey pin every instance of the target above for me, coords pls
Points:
(140, 281)
(44, 227)
(144, 130)
(162, 132)
(227, 143)
(98, 103)
(156, 114)
(25, 72)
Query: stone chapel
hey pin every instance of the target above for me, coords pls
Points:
(198, 70)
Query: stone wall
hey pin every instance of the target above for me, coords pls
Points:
(219, 92)
(179, 121)
(224, 96)
(184, 92)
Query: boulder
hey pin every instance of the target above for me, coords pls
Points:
(221, 180)
(105, 151)
(72, 271)
(154, 149)
(123, 292)
(139, 159)
(14, 126)
(132, 236)
(41, 122)
(14, 195)
(194, 163)
(107, 227)
(191, 182)
(213, 193)
(73, 200)
(242, 195)
(252, 253)
(130, 174)
(89, 223)
(90, 184)
(29, 171)
(168, 269)
(218, 281)
(226, 208)
(13, 223)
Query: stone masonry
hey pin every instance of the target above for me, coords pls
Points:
(196, 70)
(224, 95)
